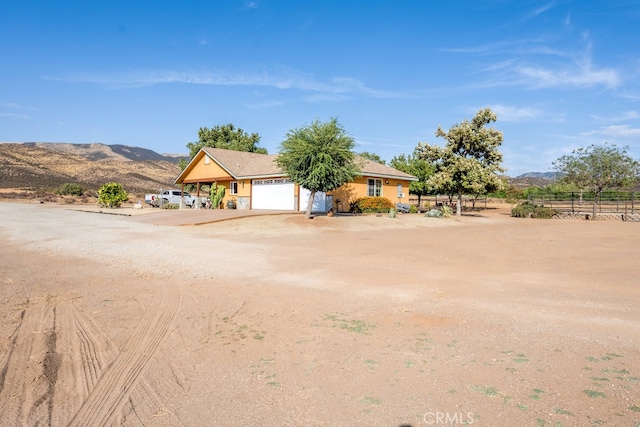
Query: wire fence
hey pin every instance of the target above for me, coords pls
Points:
(469, 203)
(578, 203)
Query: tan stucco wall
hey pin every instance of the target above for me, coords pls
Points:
(242, 192)
(200, 171)
(357, 189)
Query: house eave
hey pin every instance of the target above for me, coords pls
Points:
(388, 176)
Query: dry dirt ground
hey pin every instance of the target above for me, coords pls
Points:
(348, 321)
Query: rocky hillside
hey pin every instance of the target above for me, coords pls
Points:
(45, 166)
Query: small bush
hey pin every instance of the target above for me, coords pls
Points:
(446, 211)
(372, 204)
(112, 195)
(170, 206)
(413, 209)
(69, 200)
(529, 210)
(70, 189)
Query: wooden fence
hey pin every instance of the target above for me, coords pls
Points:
(579, 203)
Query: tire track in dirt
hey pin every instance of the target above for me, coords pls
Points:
(113, 388)
(94, 351)
(30, 369)
(83, 354)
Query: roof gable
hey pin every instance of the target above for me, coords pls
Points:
(242, 164)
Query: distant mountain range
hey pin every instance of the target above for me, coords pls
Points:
(540, 175)
(47, 165)
(101, 152)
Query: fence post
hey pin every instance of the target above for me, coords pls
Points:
(573, 212)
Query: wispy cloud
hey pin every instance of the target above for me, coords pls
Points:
(580, 76)
(581, 72)
(509, 113)
(627, 115)
(539, 11)
(369, 143)
(615, 131)
(248, 5)
(283, 79)
(13, 107)
(15, 116)
(534, 64)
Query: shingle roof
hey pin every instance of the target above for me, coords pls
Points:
(241, 164)
(371, 168)
(244, 165)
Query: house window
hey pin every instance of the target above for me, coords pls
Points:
(206, 160)
(374, 187)
(233, 187)
(400, 194)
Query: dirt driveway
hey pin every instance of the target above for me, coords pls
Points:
(348, 321)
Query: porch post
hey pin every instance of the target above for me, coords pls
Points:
(198, 195)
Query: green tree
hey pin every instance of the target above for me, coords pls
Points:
(470, 160)
(112, 195)
(70, 189)
(225, 136)
(418, 167)
(318, 157)
(560, 187)
(373, 157)
(513, 195)
(598, 168)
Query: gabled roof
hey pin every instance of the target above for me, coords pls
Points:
(244, 165)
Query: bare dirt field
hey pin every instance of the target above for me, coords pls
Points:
(348, 321)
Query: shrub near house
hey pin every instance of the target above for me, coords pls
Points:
(372, 204)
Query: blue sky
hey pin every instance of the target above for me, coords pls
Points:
(559, 74)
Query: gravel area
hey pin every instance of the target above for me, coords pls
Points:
(277, 320)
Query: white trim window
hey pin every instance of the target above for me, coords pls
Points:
(374, 187)
(233, 187)
(207, 160)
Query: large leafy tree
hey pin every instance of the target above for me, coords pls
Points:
(470, 160)
(418, 167)
(598, 168)
(224, 136)
(373, 157)
(318, 157)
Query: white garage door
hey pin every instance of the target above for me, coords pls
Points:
(319, 201)
(275, 194)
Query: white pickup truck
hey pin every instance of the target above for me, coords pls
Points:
(169, 196)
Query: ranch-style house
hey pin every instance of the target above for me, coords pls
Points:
(254, 181)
